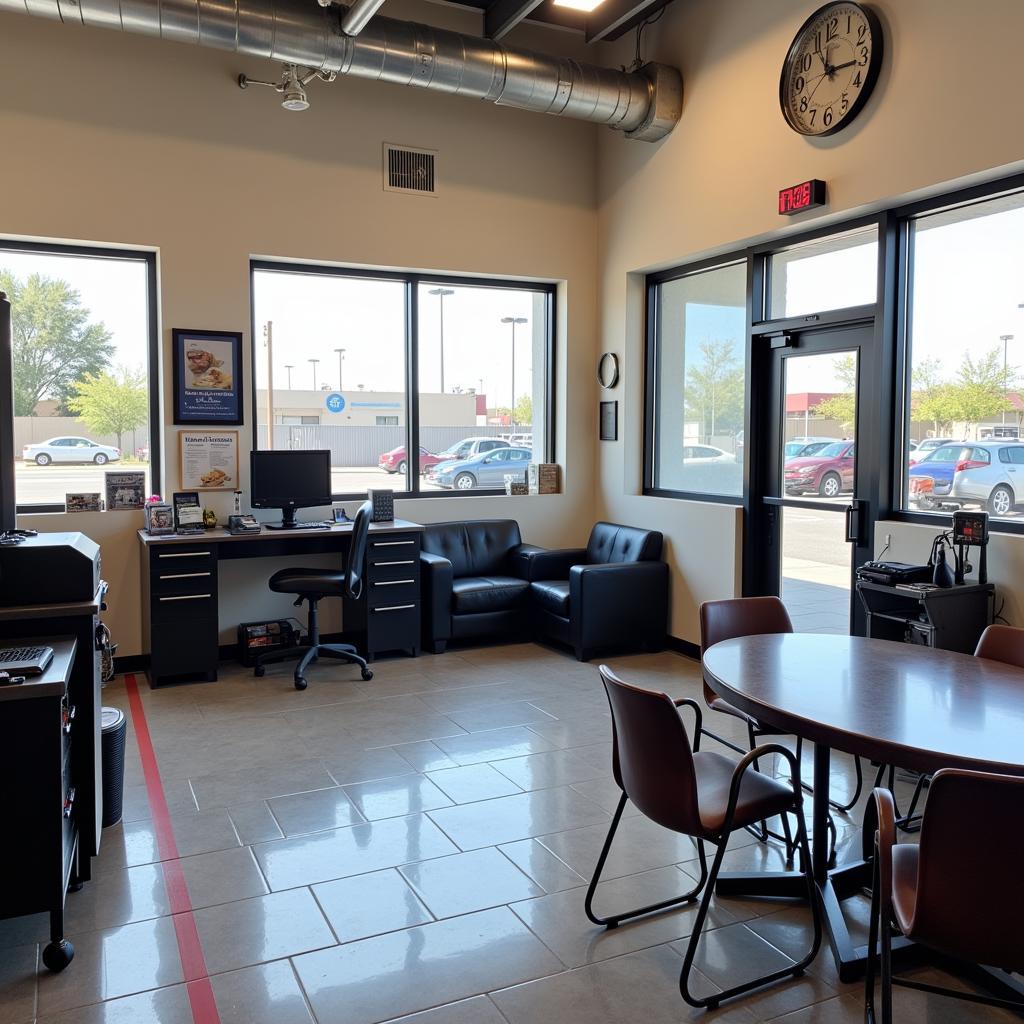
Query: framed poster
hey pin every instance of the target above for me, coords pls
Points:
(209, 460)
(609, 421)
(207, 375)
(124, 489)
(83, 501)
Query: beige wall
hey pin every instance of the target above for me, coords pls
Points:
(131, 141)
(712, 184)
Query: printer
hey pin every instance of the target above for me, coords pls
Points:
(49, 568)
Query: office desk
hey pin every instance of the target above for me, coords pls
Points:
(179, 589)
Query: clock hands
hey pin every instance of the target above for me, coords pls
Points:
(839, 67)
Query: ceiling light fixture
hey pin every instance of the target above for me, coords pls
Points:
(292, 86)
(579, 5)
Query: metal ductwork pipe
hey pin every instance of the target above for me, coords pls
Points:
(645, 104)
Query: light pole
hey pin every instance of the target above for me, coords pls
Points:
(513, 320)
(314, 362)
(1005, 339)
(289, 367)
(341, 360)
(441, 293)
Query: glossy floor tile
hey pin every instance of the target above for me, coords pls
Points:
(415, 849)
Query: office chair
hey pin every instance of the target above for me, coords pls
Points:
(313, 585)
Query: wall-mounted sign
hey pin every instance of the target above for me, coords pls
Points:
(209, 460)
(805, 196)
(207, 373)
(335, 402)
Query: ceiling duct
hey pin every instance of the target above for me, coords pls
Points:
(645, 104)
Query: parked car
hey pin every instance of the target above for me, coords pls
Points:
(705, 453)
(798, 446)
(467, 448)
(487, 470)
(518, 440)
(985, 473)
(396, 460)
(827, 473)
(70, 449)
(927, 446)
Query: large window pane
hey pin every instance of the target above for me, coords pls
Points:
(829, 273)
(482, 359)
(81, 370)
(966, 329)
(700, 382)
(330, 373)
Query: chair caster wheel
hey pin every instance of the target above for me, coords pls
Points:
(300, 683)
(58, 955)
(367, 673)
(259, 671)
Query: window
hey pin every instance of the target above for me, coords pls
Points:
(835, 272)
(696, 385)
(393, 363)
(965, 329)
(84, 340)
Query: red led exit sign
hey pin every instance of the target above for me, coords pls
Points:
(798, 198)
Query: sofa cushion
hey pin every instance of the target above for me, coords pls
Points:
(480, 548)
(610, 542)
(474, 594)
(552, 596)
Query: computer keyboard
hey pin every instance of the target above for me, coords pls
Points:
(30, 661)
(311, 526)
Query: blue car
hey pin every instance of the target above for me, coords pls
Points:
(934, 473)
(487, 470)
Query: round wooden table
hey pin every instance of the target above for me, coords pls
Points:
(900, 704)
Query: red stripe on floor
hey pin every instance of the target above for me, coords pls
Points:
(190, 949)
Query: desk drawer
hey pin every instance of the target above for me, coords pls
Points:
(198, 604)
(173, 580)
(393, 626)
(402, 590)
(392, 566)
(401, 545)
(181, 558)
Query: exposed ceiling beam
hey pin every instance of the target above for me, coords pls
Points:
(614, 18)
(503, 15)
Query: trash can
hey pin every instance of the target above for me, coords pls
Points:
(115, 729)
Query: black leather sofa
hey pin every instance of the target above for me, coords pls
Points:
(613, 593)
(474, 581)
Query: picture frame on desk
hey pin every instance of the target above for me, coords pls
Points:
(159, 519)
(207, 377)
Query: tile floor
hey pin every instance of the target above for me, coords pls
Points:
(416, 848)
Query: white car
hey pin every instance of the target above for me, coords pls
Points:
(705, 453)
(70, 449)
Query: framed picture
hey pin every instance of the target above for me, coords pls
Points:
(83, 501)
(207, 376)
(159, 519)
(609, 421)
(340, 515)
(209, 460)
(125, 489)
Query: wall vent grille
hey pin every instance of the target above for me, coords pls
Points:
(409, 170)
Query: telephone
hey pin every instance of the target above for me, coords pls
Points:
(243, 524)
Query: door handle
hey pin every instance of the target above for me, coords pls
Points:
(855, 521)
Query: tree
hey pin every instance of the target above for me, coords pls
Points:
(932, 397)
(523, 412)
(980, 390)
(714, 389)
(842, 407)
(54, 343)
(110, 404)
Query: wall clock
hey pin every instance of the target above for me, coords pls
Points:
(831, 68)
(608, 370)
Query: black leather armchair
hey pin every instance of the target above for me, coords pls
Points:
(613, 593)
(474, 581)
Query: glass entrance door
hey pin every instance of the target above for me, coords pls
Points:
(809, 492)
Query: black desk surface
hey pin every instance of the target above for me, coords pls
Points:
(54, 681)
(221, 536)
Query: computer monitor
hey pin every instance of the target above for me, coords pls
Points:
(289, 480)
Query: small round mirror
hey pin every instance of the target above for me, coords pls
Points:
(608, 370)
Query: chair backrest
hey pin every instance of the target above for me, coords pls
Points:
(740, 616)
(357, 551)
(651, 755)
(475, 548)
(610, 542)
(1002, 643)
(969, 899)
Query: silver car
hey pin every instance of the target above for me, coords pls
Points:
(70, 449)
(986, 473)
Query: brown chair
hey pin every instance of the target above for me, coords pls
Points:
(699, 794)
(997, 643)
(958, 891)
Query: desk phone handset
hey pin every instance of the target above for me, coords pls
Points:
(243, 524)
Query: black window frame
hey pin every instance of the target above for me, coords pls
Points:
(412, 282)
(147, 256)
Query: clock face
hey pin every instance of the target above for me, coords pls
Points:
(831, 68)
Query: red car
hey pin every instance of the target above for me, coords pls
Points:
(395, 460)
(827, 472)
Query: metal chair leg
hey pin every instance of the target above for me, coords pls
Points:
(869, 973)
(614, 920)
(712, 1002)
